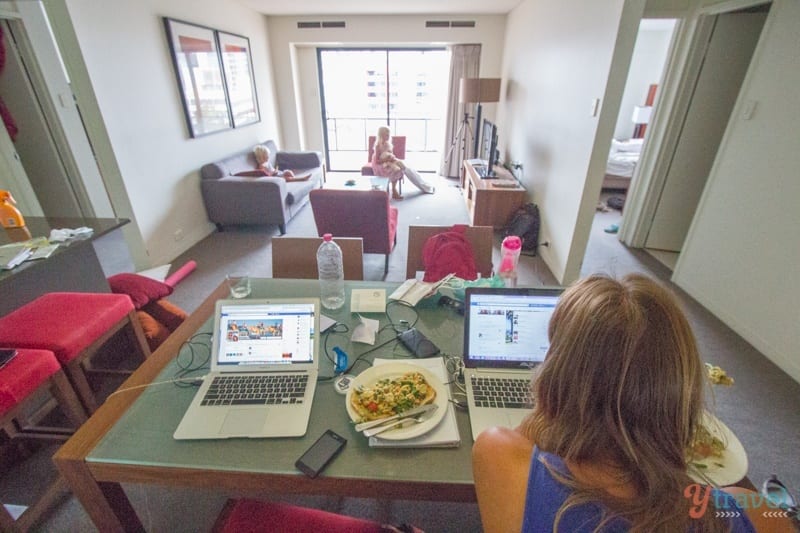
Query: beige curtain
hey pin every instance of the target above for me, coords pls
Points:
(464, 63)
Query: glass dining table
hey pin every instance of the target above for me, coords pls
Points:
(130, 438)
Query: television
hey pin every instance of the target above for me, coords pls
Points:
(488, 149)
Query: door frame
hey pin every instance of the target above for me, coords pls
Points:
(684, 63)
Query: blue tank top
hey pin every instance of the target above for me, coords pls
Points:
(546, 495)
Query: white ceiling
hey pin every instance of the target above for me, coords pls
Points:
(381, 7)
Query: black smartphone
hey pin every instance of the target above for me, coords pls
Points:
(418, 344)
(322, 452)
(6, 355)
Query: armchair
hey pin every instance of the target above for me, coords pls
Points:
(365, 214)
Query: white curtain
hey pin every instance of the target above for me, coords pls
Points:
(464, 63)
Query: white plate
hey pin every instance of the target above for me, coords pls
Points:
(394, 370)
(733, 460)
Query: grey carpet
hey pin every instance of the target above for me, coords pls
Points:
(761, 408)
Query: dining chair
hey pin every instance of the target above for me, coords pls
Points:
(480, 238)
(365, 214)
(252, 515)
(399, 151)
(296, 257)
(24, 381)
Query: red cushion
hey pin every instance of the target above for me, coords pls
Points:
(23, 375)
(154, 331)
(141, 289)
(250, 515)
(65, 323)
(167, 313)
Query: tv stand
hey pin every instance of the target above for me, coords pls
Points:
(491, 202)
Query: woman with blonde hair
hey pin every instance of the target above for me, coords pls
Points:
(617, 402)
(385, 164)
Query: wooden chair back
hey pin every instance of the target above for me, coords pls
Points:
(296, 257)
(479, 237)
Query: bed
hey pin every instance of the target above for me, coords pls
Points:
(622, 159)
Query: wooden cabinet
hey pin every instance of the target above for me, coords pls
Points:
(491, 202)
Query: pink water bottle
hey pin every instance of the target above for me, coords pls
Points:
(509, 251)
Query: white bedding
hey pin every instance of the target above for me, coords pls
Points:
(623, 156)
(622, 163)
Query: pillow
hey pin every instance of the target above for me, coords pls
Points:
(155, 332)
(141, 289)
(258, 173)
(166, 313)
(631, 145)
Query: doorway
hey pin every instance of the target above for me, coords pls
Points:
(652, 190)
(732, 38)
(361, 89)
(52, 148)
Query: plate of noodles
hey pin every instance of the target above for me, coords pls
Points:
(716, 454)
(386, 390)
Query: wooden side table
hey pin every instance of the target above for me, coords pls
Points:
(491, 202)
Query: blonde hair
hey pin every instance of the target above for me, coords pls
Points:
(261, 152)
(622, 386)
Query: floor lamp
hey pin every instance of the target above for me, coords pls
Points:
(472, 91)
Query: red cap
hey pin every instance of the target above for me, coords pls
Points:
(512, 242)
(327, 237)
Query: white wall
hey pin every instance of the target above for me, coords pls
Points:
(560, 56)
(741, 255)
(294, 58)
(125, 50)
(647, 67)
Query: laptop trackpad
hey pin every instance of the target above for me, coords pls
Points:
(243, 422)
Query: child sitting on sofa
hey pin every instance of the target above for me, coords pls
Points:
(262, 158)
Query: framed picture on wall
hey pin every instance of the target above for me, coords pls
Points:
(237, 66)
(196, 58)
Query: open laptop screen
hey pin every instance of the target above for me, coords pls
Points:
(507, 327)
(265, 334)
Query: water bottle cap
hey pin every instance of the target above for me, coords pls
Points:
(512, 242)
(327, 237)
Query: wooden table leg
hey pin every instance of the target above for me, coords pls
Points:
(106, 503)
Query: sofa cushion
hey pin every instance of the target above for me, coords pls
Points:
(297, 190)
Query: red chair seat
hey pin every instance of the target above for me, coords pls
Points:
(250, 516)
(25, 373)
(65, 323)
(74, 326)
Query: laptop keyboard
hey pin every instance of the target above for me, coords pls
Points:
(502, 392)
(256, 390)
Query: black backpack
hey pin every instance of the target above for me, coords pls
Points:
(524, 223)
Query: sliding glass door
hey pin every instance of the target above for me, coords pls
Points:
(362, 89)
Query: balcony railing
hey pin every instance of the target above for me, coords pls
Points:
(348, 137)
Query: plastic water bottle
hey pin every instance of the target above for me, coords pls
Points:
(331, 273)
(510, 249)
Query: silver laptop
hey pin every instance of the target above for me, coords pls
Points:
(264, 364)
(505, 337)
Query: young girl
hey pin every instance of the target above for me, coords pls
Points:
(262, 158)
(384, 163)
(617, 401)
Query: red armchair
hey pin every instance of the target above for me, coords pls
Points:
(399, 150)
(365, 214)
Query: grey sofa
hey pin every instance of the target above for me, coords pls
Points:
(232, 199)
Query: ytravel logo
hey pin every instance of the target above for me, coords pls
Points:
(700, 496)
